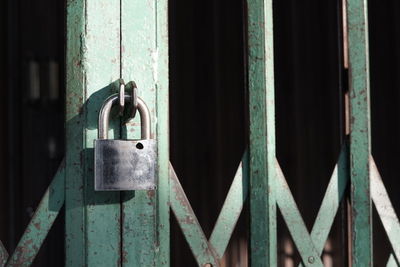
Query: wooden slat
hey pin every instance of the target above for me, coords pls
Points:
(93, 63)
(162, 128)
(139, 64)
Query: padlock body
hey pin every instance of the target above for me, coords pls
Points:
(125, 164)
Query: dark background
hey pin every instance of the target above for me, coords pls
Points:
(208, 110)
(32, 116)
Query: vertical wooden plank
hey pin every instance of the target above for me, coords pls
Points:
(162, 86)
(144, 59)
(74, 198)
(262, 133)
(360, 141)
(93, 63)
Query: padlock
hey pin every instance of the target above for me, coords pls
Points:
(124, 164)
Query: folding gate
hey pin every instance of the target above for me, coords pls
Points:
(112, 39)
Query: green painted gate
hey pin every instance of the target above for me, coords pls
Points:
(112, 39)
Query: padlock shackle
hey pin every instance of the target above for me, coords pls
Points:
(104, 116)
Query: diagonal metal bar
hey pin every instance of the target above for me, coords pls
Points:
(3, 255)
(187, 220)
(330, 204)
(385, 209)
(297, 228)
(41, 222)
(392, 261)
(231, 209)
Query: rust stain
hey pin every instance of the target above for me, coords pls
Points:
(22, 253)
(124, 256)
(151, 193)
(37, 225)
(189, 220)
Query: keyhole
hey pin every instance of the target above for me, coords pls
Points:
(139, 146)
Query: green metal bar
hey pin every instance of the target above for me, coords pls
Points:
(93, 63)
(138, 63)
(360, 141)
(263, 243)
(330, 204)
(231, 209)
(41, 222)
(385, 209)
(297, 228)
(187, 220)
(392, 262)
(3, 255)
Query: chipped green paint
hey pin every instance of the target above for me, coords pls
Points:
(297, 228)
(41, 222)
(385, 209)
(263, 243)
(162, 128)
(3, 254)
(231, 209)
(93, 63)
(107, 40)
(360, 141)
(330, 203)
(210, 251)
(144, 59)
(187, 220)
(102, 231)
(74, 193)
(138, 63)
